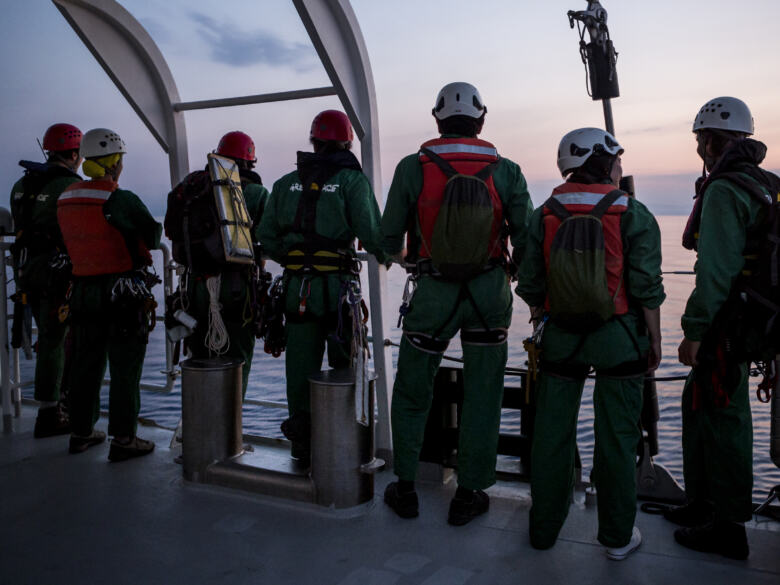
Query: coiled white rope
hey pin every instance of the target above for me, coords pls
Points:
(217, 339)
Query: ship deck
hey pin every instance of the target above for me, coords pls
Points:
(80, 519)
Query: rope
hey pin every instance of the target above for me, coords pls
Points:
(217, 339)
(350, 297)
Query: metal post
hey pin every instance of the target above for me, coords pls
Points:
(774, 428)
(16, 387)
(5, 361)
(609, 124)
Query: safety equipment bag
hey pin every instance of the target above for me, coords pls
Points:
(577, 288)
(465, 234)
(207, 220)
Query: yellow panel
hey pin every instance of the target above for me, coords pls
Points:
(231, 208)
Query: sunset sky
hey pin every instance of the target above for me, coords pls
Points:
(522, 55)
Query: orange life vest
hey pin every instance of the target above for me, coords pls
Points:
(94, 245)
(467, 156)
(580, 199)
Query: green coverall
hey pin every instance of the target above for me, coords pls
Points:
(433, 306)
(45, 293)
(346, 209)
(233, 296)
(718, 442)
(617, 399)
(96, 338)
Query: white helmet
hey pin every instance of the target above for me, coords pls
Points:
(724, 113)
(458, 99)
(101, 142)
(577, 146)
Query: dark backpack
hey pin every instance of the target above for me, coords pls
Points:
(192, 224)
(576, 274)
(465, 233)
(754, 306)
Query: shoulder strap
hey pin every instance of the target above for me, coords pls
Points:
(558, 209)
(606, 202)
(487, 171)
(445, 166)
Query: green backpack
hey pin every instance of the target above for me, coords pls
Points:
(464, 235)
(576, 274)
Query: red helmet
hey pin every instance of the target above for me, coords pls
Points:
(237, 145)
(61, 137)
(331, 125)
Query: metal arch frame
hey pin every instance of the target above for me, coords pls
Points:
(137, 67)
(134, 63)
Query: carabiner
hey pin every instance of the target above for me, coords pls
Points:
(303, 295)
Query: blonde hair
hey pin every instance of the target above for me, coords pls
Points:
(95, 168)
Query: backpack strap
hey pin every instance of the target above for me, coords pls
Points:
(558, 209)
(444, 165)
(606, 202)
(486, 172)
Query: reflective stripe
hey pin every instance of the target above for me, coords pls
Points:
(584, 198)
(457, 147)
(86, 194)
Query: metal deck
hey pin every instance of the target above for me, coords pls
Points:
(73, 519)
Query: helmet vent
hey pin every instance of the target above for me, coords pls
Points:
(578, 150)
(457, 97)
(103, 143)
(609, 142)
(440, 105)
(725, 115)
(475, 102)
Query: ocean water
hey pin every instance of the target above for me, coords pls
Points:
(267, 379)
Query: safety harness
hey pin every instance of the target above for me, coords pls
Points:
(318, 254)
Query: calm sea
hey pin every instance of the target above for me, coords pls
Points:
(267, 380)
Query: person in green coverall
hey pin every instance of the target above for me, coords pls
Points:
(481, 308)
(717, 432)
(236, 279)
(108, 232)
(41, 269)
(621, 348)
(309, 226)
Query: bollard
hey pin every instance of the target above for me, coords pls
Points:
(210, 412)
(342, 450)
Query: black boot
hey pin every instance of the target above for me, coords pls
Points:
(467, 505)
(50, 422)
(725, 538)
(404, 502)
(297, 429)
(694, 513)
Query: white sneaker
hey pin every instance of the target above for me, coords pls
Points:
(618, 554)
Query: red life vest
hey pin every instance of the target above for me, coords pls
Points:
(580, 199)
(94, 245)
(467, 156)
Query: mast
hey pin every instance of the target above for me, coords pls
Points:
(598, 56)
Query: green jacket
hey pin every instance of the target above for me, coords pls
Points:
(728, 212)
(35, 219)
(401, 208)
(642, 259)
(346, 209)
